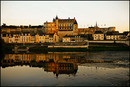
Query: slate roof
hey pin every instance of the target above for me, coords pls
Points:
(15, 32)
(26, 32)
(83, 35)
(126, 32)
(40, 26)
(75, 22)
(113, 33)
(65, 20)
(51, 35)
(66, 30)
(33, 34)
(69, 36)
(90, 27)
(41, 34)
(11, 26)
(98, 32)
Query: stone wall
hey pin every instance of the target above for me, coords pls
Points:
(112, 41)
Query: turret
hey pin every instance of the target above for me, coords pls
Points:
(56, 17)
(75, 27)
(56, 22)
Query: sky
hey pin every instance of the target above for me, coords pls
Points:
(87, 13)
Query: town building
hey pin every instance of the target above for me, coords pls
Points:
(91, 30)
(59, 30)
(40, 37)
(72, 38)
(8, 29)
(49, 27)
(114, 35)
(98, 35)
(25, 37)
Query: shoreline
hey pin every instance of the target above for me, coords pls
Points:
(91, 48)
(46, 50)
(7, 48)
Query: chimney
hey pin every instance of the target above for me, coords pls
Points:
(68, 17)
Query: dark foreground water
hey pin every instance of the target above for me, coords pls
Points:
(104, 68)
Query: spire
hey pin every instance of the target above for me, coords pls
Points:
(56, 17)
(75, 22)
(96, 23)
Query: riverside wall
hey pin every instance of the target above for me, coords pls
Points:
(103, 41)
(84, 46)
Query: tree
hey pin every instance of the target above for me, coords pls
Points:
(3, 25)
(2, 43)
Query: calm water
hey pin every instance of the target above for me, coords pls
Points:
(105, 68)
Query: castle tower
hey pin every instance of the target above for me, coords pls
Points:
(56, 22)
(75, 27)
(96, 24)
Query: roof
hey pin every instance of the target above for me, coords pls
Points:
(115, 32)
(126, 32)
(112, 33)
(75, 22)
(51, 35)
(66, 20)
(69, 36)
(83, 35)
(40, 26)
(11, 33)
(120, 34)
(15, 32)
(33, 34)
(98, 32)
(90, 27)
(40, 33)
(66, 30)
(49, 23)
(26, 32)
(11, 26)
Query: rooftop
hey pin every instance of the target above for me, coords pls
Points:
(98, 32)
(66, 30)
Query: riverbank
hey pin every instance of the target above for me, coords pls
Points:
(91, 48)
(102, 48)
(7, 48)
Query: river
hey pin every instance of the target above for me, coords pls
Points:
(103, 68)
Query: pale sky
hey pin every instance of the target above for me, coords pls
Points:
(111, 13)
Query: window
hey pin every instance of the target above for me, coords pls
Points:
(22, 39)
(4, 35)
(29, 38)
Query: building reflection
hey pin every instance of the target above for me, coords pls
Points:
(58, 64)
(51, 62)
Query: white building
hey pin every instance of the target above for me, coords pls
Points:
(98, 35)
(114, 36)
(25, 37)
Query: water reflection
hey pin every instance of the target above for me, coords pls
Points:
(58, 63)
(85, 67)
